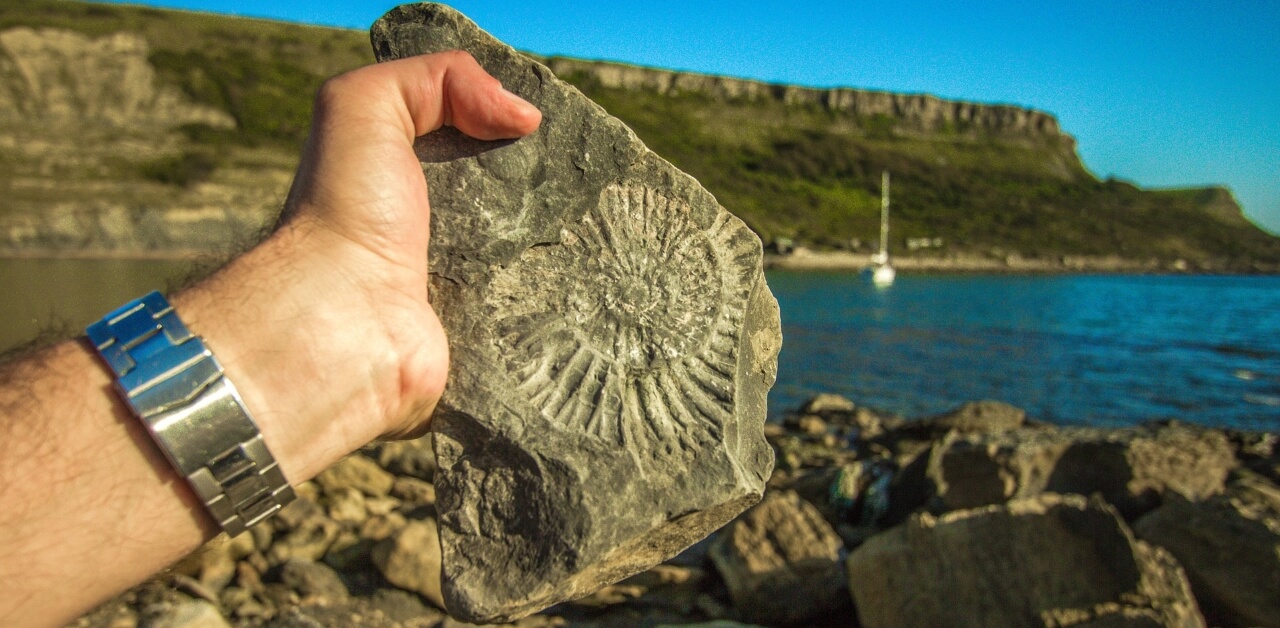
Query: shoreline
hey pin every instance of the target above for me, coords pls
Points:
(800, 260)
(806, 260)
(175, 255)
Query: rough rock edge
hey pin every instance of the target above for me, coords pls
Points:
(457, 431)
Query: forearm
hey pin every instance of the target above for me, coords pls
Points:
(88, 503)
(325, 328)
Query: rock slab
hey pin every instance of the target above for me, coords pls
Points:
(1132, 468)
(1230, 547)
(1051, 560)
(612, 338)
(781, 562)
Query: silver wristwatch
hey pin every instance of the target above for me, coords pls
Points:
(173, 383)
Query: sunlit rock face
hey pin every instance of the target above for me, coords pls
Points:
(612, 338)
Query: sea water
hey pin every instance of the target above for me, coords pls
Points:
(1099, 350)
(1071, 349)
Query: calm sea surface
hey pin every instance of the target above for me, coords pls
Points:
(66, 294)
(1101, 350)
(1098, 350)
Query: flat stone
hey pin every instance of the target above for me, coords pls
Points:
(827, 402)
(1230, 548)
(313, 581)
(1051, 560)
(410, 559)
(310, 540)
(415, 458)
(352, 612)
(347, 506)
(781, 562)
(612, 340)
(356, 471)
(1131, 468)
(981, 416)
(414, 491)
(185, 614)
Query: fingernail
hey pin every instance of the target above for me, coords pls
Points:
(516, 99)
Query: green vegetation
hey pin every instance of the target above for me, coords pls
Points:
(186, 169)
(800, 172)
(816, 178)
(261, 72)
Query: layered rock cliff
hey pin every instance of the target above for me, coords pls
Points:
(919, 112)
(115, 118)
(62, 80)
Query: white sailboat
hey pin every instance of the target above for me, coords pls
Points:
(881, 271)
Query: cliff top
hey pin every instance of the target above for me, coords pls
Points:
(109, 106)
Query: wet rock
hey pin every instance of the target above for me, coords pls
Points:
(1230, 548)
(1049, 560)
(781, 562)
(1131, 468)
(612, 340)
(411, 560)
(356, 471)
(313, 581)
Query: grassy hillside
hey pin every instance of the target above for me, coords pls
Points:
(815, 176)
(800, 172)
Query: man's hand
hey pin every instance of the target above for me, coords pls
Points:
(325, 328)
(352, 349)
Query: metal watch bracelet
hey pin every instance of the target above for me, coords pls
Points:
(175, 385)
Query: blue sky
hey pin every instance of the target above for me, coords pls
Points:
(1163, 93)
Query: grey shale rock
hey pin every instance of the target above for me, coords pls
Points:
(410, 559)
(356, 471)
(980, 417)
(781, 562)
(185, 614)
(1230, 547)
(1050, 560)
(612, 338)
(1132, 468)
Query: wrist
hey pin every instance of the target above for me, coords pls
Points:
(309, 366)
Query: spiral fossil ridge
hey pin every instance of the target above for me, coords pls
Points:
(641, 349)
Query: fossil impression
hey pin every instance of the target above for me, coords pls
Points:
(613, 343)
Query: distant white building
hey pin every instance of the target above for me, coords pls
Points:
(915, 244)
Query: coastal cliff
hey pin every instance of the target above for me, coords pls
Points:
(923, 113)
(130, 131)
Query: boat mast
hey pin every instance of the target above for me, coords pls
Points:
(884, 216)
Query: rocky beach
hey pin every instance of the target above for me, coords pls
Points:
(976, 517)
(614, 343)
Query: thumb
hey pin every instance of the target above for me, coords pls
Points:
(450, 88)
